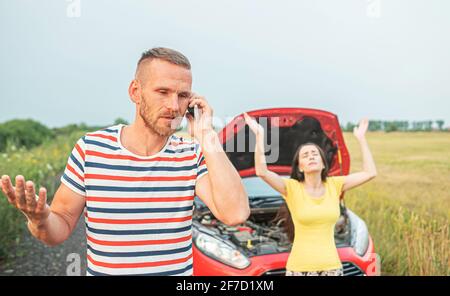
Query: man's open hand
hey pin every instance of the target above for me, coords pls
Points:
(24, 198)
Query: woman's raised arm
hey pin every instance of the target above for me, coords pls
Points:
(271, 178)
(369, 170)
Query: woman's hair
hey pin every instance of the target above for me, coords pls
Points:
(283, 212)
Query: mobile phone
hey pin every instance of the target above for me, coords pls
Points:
(190, 110)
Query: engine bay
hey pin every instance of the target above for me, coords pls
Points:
(262, 233)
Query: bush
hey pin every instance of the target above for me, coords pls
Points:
(25, 133)
(120, 121)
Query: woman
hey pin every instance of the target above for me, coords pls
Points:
(313, 201)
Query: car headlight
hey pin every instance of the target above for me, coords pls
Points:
(359, 234)
(220, 251)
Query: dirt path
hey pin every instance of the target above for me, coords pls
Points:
(32, 257)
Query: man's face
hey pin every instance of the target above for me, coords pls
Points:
(165, 89)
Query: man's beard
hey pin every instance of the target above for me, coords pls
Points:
(151, 121)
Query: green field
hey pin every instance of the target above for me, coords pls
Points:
(407, 207)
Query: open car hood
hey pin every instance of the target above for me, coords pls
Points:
(295, 126)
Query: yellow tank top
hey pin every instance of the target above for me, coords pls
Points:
(314, 218)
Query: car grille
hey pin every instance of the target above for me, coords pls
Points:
(350, 269)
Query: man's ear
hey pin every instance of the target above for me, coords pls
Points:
(134, 91)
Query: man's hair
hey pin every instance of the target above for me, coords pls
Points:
(166, 54)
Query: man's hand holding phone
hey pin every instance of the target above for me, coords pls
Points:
(199, 115)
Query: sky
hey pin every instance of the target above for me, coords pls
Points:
(71, 61)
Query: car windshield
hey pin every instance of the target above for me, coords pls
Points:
(256, 188)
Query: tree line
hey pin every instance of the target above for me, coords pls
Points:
(28, 133)
(401, 126)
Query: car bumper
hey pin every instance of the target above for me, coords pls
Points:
(275, 264)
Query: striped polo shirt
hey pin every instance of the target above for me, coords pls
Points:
(138, 210)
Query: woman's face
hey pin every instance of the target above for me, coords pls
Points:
(310, 160)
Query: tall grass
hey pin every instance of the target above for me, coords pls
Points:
(43, 165)
(407, 207)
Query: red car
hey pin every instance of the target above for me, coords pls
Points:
(260, 246)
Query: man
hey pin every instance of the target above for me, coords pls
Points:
(136, 183)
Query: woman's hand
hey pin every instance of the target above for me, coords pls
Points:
(360, 130)
(254, 125)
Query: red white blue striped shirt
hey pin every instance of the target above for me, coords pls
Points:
(138, 210)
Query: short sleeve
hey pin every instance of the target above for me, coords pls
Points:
(288, 185)
(338, 182)
(73, 176)
(201, 164)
